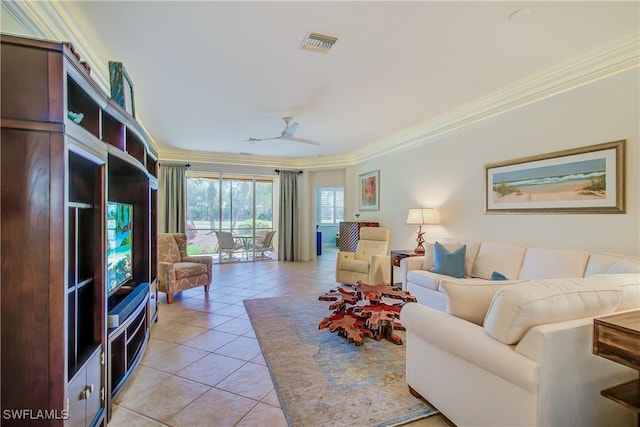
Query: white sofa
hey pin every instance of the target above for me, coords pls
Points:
(518, 352)
(515, 261)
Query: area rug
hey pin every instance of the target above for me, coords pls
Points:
(320, 379)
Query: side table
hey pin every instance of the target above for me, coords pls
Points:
(399, 254)
(617, 338)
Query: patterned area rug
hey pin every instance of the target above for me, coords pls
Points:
(322, 380)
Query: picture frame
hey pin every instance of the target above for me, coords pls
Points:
(121, 87)
(369, 191)
(582, 180)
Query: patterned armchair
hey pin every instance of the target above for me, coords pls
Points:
(176, 270)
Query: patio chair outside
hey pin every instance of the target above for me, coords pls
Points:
(228, 245)
(264, 245)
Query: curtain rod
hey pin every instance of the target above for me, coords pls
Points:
(186, 165)
(278, 172)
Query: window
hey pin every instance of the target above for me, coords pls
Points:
(330, 202)
(241, 205)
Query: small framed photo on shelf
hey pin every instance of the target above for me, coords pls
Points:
(121, 87)
(369, 191)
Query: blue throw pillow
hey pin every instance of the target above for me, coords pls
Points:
(449, 263)
(497, 276)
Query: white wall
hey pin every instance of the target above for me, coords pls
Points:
(448, 173)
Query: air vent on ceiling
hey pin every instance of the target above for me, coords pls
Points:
(318, 42)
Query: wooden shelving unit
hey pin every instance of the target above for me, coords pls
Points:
(66, 149)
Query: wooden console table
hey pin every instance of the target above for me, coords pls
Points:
(617, 338)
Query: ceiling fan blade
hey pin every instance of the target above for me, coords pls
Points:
(286, 134)
(302, 140)
(290, 130)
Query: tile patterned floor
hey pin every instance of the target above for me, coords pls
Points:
(203, 365)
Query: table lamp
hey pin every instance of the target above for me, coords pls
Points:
(420, 217)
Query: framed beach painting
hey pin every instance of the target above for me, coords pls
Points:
(582, 180)
(369, 191)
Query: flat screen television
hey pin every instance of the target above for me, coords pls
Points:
(119, 245)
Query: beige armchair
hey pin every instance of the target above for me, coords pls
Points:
(176, 270)
(370, 263)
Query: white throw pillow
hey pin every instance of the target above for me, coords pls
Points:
(630, 285)
(471, 301)
(516, 309)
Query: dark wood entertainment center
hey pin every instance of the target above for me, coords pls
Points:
(63, 356)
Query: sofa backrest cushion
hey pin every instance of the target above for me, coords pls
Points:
(602, 263)
(552, 263)
(471, 251)
(373, 241)
(471, 301)
(516, 309)
(495, 256)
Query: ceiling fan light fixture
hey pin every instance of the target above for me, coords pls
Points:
(318, 42)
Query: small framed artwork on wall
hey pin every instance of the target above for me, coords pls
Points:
(369, 191)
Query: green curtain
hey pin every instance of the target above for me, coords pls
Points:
(172, 198)
(288, 248)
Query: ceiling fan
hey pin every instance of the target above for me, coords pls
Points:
(286, 134)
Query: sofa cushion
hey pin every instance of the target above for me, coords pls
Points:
(630, 285)
(601, 263)
(471, 301)
(188, 269)
(357, 265)
(429, 252)
(553, 263)
(450, 263)
(624, 267)
(425, 279)
(516, 309)
(495, 256)
(471, 251)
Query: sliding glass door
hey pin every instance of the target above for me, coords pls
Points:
(229, 217)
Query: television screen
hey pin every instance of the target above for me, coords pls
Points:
(119, 245)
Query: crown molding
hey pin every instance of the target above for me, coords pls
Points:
(50, 20)
(178, 155)
(16, 11)
(618, 58)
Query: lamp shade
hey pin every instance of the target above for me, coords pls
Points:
(422, 216)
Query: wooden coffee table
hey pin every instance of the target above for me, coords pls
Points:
(367, 310)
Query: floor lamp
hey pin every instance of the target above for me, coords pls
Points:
(420, 217)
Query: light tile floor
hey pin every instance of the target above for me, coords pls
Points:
(203, 365)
